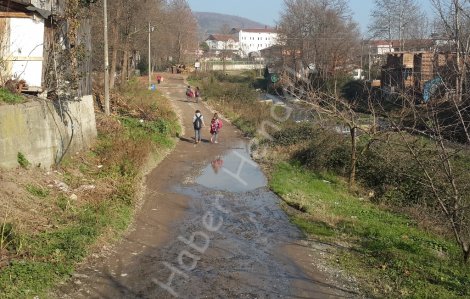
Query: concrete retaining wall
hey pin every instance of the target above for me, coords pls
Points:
(234, 67)
(36, 130)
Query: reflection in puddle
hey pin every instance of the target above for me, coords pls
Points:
(217, 164)
(235, 172)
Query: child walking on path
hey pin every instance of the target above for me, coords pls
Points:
(197, 94)
(216, 125)
(189, 93)
(198, 123)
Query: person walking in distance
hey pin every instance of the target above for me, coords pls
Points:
(198, 123)
(197, 94)
(189, 93)
(216, 125)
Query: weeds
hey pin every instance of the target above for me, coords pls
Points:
(22, 160)
(37, 191)
(9, 239)
(10, 98)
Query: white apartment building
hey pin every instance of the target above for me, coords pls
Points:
(255, 40)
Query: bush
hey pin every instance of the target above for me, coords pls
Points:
(397, 177)
(323, 150)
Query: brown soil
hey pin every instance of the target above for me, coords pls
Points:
(255, 253)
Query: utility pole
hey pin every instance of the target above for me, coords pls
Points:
(150, 61)
(362, 54)
(106, 61)
(369, 62)
(151, 29)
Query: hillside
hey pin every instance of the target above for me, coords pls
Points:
(212, 22)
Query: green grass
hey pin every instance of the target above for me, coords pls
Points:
(389, 253)
(10, 98)
(22, 161)
(37, 191)
(159, 131)
(53, 254)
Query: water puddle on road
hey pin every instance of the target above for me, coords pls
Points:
(233, 172)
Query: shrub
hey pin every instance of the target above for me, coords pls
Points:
(323, 150)
(395, 176)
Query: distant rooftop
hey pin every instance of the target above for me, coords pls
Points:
(255, 30)
(222, 37)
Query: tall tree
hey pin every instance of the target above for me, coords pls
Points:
(322, 35)
(319, 33)
(184, 31)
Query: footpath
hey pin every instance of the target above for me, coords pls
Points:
(208, 228)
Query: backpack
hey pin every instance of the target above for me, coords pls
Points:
(198, 123)
(213, 127)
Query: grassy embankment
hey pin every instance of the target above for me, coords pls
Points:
(390, 252)
(141, 132)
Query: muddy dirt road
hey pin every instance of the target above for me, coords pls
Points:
(208, 228)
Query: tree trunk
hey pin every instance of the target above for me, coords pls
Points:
(352, 171)
(112, 77)
(125, 63)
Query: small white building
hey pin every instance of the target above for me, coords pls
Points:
(255, 40)
(22, 32)
(222, 42)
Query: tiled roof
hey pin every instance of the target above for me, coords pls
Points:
(222, 37)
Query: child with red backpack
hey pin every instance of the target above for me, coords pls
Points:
(216, 125)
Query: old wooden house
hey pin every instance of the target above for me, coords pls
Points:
(35, 44)
(44, 51)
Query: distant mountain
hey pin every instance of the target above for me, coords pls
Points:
(210, 22)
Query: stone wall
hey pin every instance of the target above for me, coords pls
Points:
(36, 130)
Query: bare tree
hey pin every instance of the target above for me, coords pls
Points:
(319, 33)
(398, 20)
(183, 28)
